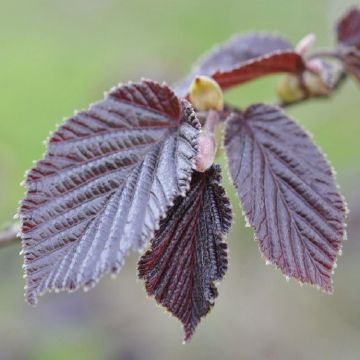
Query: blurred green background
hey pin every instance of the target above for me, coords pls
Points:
(58, 56)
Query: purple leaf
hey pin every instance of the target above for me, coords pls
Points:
(108, 176)
(348, 29)
(288, 193)
(233, 54)
(188, 252)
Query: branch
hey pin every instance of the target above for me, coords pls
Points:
(9, 235)
(332, 54)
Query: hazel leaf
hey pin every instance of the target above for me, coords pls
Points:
(242, 56)
(188, 253)
(288, 193)
(109, 174)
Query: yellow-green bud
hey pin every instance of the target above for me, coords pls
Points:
(205, 94)
(289, 89)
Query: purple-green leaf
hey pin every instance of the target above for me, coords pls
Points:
(188, 252)
(108, 176)
(287, 192)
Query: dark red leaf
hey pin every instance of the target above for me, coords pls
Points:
(188, 252)
(108, 176)
(348, 28)
(288, 193)
(235, 53)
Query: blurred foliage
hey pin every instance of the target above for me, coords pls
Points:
(57, 56)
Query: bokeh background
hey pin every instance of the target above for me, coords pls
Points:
(58, 56)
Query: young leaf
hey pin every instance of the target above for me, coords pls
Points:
(108, 176)
(351, 60)
(348, 29)
(188, 252)
(277, 62)
(237, 52)
(288, 193)
(348, 36)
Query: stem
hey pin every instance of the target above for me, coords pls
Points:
(9, 235)
(207, 142)
(222, 115)
(213, 119)
(324, 53)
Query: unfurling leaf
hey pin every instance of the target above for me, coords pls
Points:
(351, 60)
(288, 193)
(242, 59)
(288, 62)
(348, 29)
(348, 36)
(188, 252)
(108, 176)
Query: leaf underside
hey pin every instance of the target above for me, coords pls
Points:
(188, 252)
(288, 193)
(108, 176)
(230, 58)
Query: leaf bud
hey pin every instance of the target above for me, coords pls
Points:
(316, 81)
(305, 44)
(289, 89)
(205, 94)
